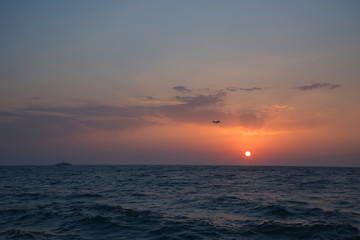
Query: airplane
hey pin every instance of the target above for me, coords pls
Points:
(216, 121)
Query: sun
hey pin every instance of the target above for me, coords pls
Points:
(248, 153)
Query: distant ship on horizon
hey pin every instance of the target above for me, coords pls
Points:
(63, 164)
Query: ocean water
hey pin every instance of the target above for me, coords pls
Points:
(179, 202)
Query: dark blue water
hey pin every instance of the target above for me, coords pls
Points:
(179, 202)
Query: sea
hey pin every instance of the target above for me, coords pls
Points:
(179, 202)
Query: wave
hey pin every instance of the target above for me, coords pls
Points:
(306, 231)
(85, 195)
(155, 202)
(24, 234)
(122, 211)
(250, 229)
(17, 234)
(282, 210)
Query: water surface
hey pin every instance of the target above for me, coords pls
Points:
(179, 202)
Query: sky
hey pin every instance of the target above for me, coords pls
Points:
(140, 82)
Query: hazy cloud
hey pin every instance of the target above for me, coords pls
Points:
(191, 109)
(235, 89)
(182, 89)
(24, 130)
(32, 126)
(202, 100)
(75, 119)
(150, 98)
(252, 120)
(196, 109)
(318, 85)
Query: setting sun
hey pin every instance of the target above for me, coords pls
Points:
(247, 153)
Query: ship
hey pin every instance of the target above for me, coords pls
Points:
(63, 164)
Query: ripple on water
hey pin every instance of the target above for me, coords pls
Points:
(179, 202)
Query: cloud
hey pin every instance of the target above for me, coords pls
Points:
(182, 89)
(202, 100)
(196, 109)
(235, 89)
(53, 121)
(250, 89)
(150, 98)
(40, 121)
(33, 126)
(252, 120)
(23, 130)
(199, 110)
(318, 85)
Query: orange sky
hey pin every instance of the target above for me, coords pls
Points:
(137, 83)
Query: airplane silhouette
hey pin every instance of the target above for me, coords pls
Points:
(216, 121)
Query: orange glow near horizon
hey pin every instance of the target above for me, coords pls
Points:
(204, 143)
